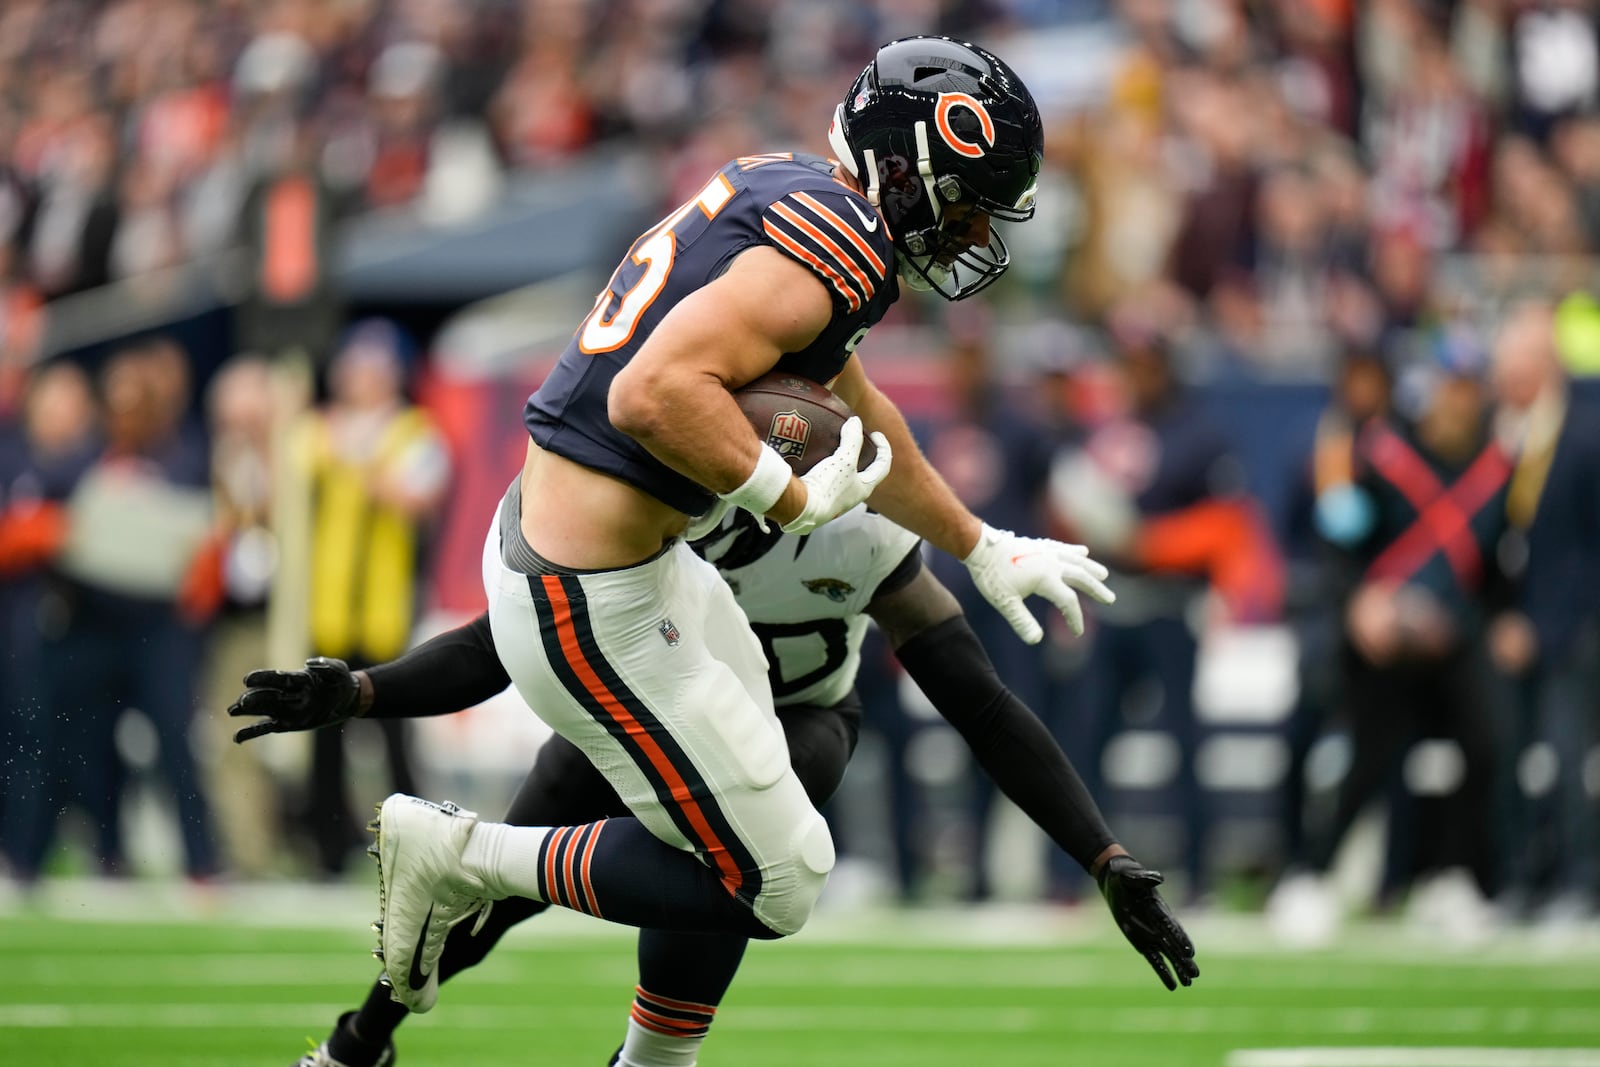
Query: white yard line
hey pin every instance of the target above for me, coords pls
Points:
(1414, 1057)
(350, 907)
(1336, 1023)
(971, 969)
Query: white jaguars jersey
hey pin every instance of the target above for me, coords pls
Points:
(805, 598)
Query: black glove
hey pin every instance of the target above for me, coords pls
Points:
(1143, 918)
(323, 694)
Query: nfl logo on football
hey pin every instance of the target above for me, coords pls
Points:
(788, 434)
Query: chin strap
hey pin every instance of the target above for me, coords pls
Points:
(925, 168)
(847, 157)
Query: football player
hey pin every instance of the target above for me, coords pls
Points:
(808, 600)
(622, 639)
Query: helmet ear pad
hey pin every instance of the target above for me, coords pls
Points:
(932, 122)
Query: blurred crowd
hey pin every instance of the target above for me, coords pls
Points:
(1398, 200)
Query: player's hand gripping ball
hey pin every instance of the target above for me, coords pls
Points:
(799, 419)
(815, 433)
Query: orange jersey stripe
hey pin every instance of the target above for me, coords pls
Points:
(761, 160)
(851, 297)
(795, 219)
(832, 217)
(567, 635)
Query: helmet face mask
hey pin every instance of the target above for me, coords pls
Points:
(931, 124)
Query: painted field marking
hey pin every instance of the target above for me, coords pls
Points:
(1579, 1024)
(1392, 1056)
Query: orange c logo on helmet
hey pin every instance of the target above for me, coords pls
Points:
(941, 119)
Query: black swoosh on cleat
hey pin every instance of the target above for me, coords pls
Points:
(417, 978)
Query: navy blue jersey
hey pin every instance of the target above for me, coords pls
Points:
(789, 202)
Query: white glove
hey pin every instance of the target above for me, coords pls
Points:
(834, 486)
(1006, 568)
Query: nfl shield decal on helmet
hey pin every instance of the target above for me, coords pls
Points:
(788, 434)
(669, 633)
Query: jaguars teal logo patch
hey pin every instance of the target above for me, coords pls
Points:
(832, 588)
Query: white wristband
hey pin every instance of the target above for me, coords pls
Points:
(988, 537)
(765, 485)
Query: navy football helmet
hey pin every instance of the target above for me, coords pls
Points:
(930, 124)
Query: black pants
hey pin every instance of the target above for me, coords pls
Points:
(1390, 708)
(329, 817)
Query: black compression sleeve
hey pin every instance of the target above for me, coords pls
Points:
(949, 665)
(455, 670)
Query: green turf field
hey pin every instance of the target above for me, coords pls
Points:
(99, 986)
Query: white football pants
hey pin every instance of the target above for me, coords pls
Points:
(654, 673)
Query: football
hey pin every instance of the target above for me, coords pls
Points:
(799, 418)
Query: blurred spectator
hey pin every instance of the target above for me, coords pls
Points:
(1317, 69)
(1479, 42)
(542, 112)
(240, 409)
(19, 329)
(1330, 509)
(1150, 490)
(1219, 179)
(378, 471)
(1550, 639)
(293, 304)
(1556, 65)
(1132, 205)
(1577, 150)
(148, 235)
(70, 232)
(1423, 529)
(211, 202)
(1402, 274)
(1295, 272)
(1429, 138)
(1536, 200)
(997, 459)
(41, 460)
(385, 144)
(142, 576)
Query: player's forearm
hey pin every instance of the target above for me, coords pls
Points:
(914, 495)
(949, 665)
(689, 420)
(457, 669)
(673, 396)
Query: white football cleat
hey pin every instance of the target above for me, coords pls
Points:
(423, 891)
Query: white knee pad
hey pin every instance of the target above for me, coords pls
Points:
(791, 888)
